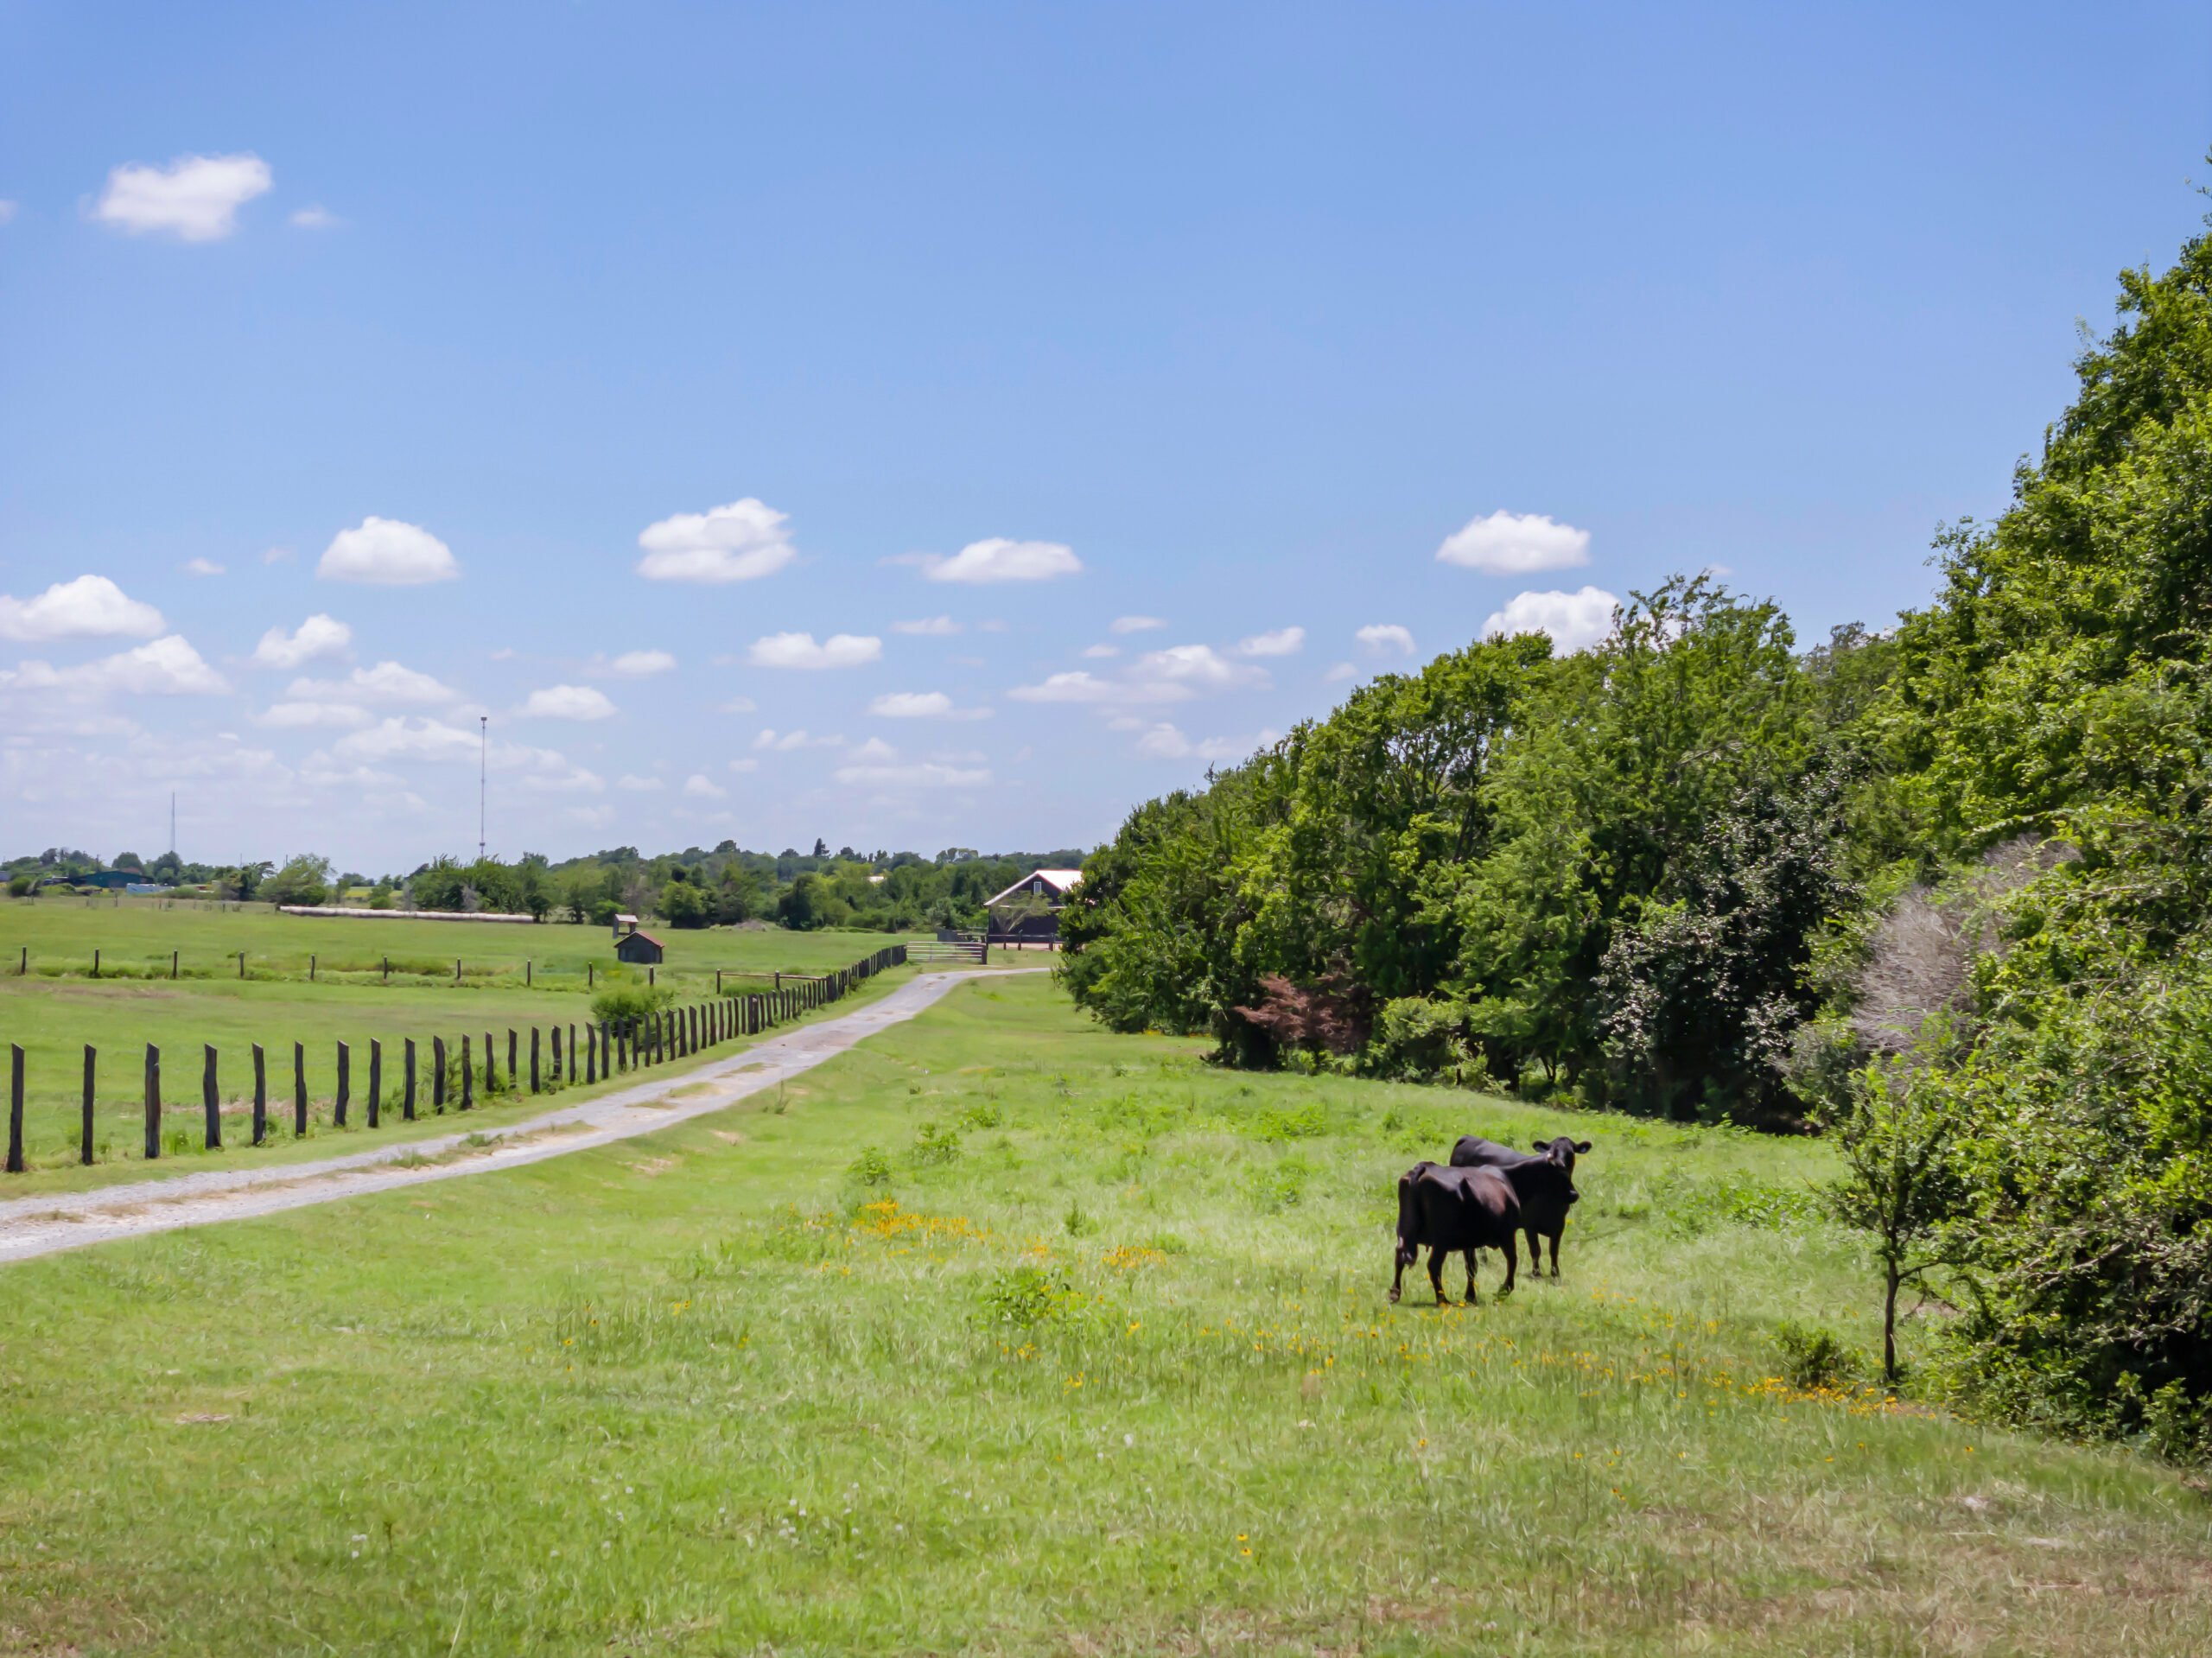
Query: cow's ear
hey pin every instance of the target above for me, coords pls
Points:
(1582, 1147)
(1542, 1144)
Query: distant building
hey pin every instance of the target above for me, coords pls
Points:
(641, 949)
(1031, 927)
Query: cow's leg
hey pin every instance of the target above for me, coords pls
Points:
(1436, 1254)
(1395, 1277)
(1471, 1297)
(1512, 1265)
(1555, 1238)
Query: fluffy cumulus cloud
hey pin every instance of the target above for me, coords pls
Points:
(388, 681)
(698, 786)
(318, 636)
(1133, 624)
(386, 553)
(635, 785)
(737, 543)
(922, 705)
(636, 664)
(167, 667)
(539, 771)
(928, 627)
(800, 650)
(195, 198)
(90, 607)
(202, 567)
(1001, 560)
(769, 741)
(1100, 653)
(1164, 742)
(1282, 642)
(1575, 621)
(1074, 687)
(876, 765)
(314, 218)
(1515, 543)
(1386, 639)
(567, 702)
(1173, 675)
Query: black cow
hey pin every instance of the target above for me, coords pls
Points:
(1543, 1181)
(1449, 1209)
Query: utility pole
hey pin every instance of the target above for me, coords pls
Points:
(483, 756)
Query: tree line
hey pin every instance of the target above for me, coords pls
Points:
(1941, 890)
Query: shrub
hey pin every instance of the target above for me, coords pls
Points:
(1023, 1296)
(936, 1145)
(1421, 1040)
(1813, 1357)
(620, 1003)
(870, 1168)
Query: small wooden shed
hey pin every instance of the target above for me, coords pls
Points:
(639, 948)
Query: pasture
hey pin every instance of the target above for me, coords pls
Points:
(1002, 1334)
(511, 976)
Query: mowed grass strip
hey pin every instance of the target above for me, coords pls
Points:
(55, 1019)
(1091, 1355)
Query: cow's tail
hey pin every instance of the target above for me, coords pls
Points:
(1409, 1217)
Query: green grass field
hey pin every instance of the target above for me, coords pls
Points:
(513, 977)
(1000, 1334)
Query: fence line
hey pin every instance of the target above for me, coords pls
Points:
(607, 1048)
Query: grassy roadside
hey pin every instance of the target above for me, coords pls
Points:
(52, 1123)
(1101, 1365)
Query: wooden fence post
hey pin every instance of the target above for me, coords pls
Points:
(16, 1110)
(456, 970)
(591, 1054)
(589, 969)
(407, 1099)
(260, 1096)
(310, 969)
(572, 1054)
(172, 964)
(85, 1111)
(153, 1101)
(211, 1099)
(514, 1076)
(96, 964)
(534, 1087)
(344, 1086)
(387, 969)
(241, 964)
(438, 1076)
(376, 1079)
(556, 1052)
(299, 1090)
(467, 1077)
(527, 969)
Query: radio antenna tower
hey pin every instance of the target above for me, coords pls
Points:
(483, 753)
(172, 822)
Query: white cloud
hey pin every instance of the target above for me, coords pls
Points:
(637, 665)
(737, 705)
(1001, 560)
(385, 683)
(1133, 624)
(567, 702)
(748, 764)
(197, 197)
(386, 553)
(637, 784)
(924, 775)
(1100, 653)
(911, 705)
(277, 555)
(873, 751)
(90, 607)
(1077, 687)
(737, 543)
(1515, 543)
(1383, 637)
(318, 636)
(1192, 666)
(800, 650)
(202, 567)
(542, 770)
(698, 786)
(791, 740)
(167, 667)
(1574, 620)
(1342, 670)
(930, 626)
(312, 217)
(1283, 642)
(1165, 742)
(344, 716)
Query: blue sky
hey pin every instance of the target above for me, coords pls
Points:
(568, 363)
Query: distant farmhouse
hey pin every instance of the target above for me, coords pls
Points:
(1028, 912)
